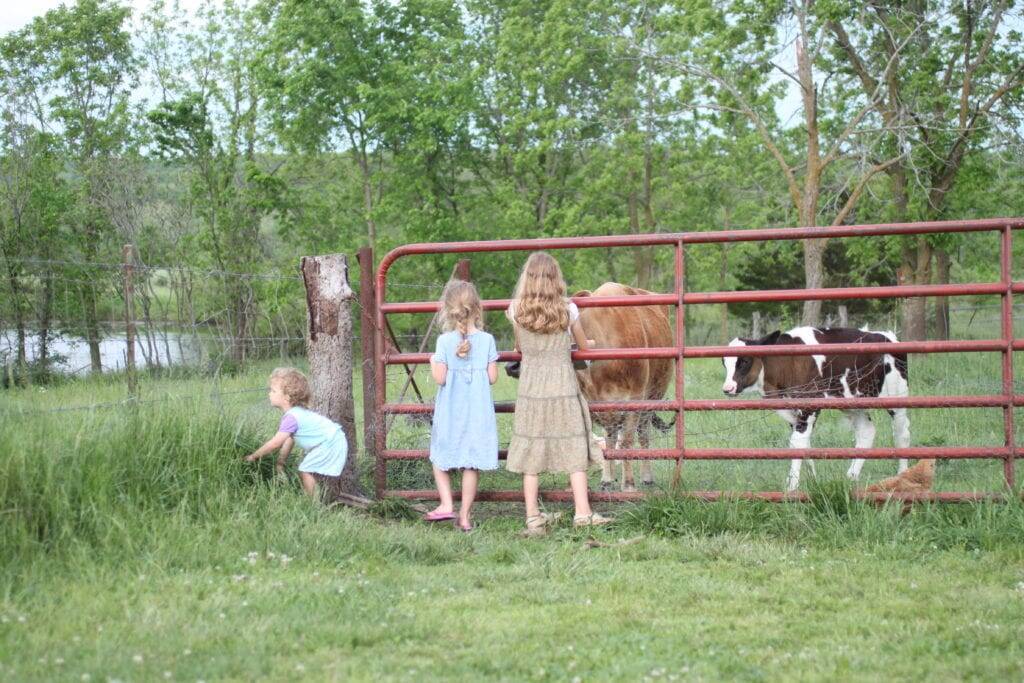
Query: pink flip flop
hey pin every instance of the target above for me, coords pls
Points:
(438, 516)
(465, 529)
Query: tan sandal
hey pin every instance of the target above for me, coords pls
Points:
(593, 519)
(537, 525)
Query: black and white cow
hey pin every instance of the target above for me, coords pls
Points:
(846, 375)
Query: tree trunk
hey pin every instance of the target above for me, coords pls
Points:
(92, 327)
(367, 176)
(45, 312)
(641, 255)
(241, 295)
(814, 278)
(723, 273)
(942, 265)
(329, 344)
(19, 322)
(915, 270)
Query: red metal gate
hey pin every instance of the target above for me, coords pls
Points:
(1006, 345)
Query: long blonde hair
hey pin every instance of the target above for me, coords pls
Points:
(540, 297)
(460, 307)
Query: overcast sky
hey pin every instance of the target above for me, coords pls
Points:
(16, 13)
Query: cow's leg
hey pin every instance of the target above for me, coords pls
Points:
(901, 432)
(863, 437)
(629, 430)
(646, 472)
(895, 384)
(800, 437)
(607, 475)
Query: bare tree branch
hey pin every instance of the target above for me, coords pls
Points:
(851, 201)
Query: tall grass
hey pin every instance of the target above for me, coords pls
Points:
(111, 485)
(833, 520)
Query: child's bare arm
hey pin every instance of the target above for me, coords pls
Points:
(492, 372)
(270, 446)
(580, 336)
(439, 371)
(286, 450)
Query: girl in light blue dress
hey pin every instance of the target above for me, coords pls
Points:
(464, 434)
(321, 438)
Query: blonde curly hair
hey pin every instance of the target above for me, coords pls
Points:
(293, 384)
(460, 307)
(540, 296)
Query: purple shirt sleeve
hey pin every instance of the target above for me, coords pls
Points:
(288, 424)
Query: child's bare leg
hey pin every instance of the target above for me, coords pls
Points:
(469, 483)
(531, 489)
(444, 490)
(578, 481)
(282, 456)
(308, 484)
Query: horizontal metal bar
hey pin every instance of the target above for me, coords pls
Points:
(502, 304)
(962, 346)
(596, 354)
(860, 402)
(970, 346)
(827, 294)
(509, 407)
(839, 293)
(712, 496)
(711, 237)
(929, 452)
(937, 452)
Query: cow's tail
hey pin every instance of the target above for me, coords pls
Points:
(660, 424)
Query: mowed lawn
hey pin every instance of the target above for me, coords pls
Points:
(136, 546)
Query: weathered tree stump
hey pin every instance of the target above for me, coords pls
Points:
(329, 349)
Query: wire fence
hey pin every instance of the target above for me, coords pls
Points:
(71, 317)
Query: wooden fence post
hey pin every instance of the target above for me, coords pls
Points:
(329, 349)
(128, 254)
(367, 322)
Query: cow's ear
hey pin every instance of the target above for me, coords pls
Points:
(582, 292)
(770, 339)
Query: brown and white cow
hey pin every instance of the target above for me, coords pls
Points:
(626, 380)
(825, 374)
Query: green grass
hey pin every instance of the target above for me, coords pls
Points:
(136, 543)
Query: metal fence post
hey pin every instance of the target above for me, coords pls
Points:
(128, 257)
(368, 324)
(680, 287)
(1006, 273)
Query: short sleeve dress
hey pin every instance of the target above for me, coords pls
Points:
(464, 432)
(552, 428)
(323, 440)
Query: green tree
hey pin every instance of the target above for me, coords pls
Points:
(74, 67)
(212, 124)
(957, 87)
(735, 53)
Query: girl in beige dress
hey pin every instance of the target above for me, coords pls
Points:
(552, 430)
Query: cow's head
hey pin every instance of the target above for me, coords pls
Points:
(743, 372)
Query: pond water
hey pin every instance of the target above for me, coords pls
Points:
(171, 348)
